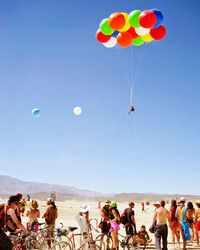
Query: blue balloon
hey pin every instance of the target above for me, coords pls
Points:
(159, 17)
(115, 33)
(36, 112)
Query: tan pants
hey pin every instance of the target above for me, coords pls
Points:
(114, 235)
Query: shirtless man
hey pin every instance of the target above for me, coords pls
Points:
(161, 217)
(105, 219)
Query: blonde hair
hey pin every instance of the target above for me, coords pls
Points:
(34, 204)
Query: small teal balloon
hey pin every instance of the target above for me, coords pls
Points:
(36, 112)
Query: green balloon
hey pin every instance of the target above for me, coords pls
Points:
(134, 18)
(137, 41)
(105, 27)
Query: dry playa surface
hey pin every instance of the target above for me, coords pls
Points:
(67, 211)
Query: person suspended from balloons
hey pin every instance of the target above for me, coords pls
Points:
(134, 29)
(132, 109)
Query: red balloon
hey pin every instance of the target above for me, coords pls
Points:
(116, 21)
(124, 39)
(147, 19)
(132, 32)
(159, 32)
(102, 38)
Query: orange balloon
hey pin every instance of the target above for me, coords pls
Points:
(116, 21)
(124, 39)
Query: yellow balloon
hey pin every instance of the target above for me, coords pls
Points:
(127, 24)
(147, 38)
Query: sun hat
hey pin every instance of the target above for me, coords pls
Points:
(182, 199)
(84, 208)
(107, 202)
(156, 203)
(113, 204)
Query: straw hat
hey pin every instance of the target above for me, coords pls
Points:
(107, 202)
(84, 208)
(156, 203)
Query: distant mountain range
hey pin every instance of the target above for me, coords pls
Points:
(10, 185)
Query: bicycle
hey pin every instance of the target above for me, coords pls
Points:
(70, 243)
(23, 242)
(129, 242)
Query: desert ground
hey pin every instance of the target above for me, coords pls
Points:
(68, 210)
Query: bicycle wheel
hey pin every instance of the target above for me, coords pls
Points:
(32, 244)
(18, 247)
(132, 243)
(100, 244)
(47, 243)
(105, 240)
(62, 245)
(92, 246)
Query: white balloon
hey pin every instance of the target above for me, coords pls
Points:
(142, 31)
(77, 110)
(111, 43)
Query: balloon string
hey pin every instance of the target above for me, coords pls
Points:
(133, 83)
(131, 96)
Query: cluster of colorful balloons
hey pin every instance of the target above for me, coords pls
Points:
(135, 28)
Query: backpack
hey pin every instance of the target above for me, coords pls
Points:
(123, 218)
(2, 216)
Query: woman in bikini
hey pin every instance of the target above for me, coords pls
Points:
(33, 214)
(175, 225)
(190, 218)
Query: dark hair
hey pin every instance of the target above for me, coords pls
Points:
(53, 204)
(162, 203)
(19, 195)
(190, 205)
(143, 226)
(13, 199)
(198, 205)
(173, 203)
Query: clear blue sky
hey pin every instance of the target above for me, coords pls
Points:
(49, 58)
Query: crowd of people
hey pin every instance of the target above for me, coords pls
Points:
(11, 221)
(182, 218)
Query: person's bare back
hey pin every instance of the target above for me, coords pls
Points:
(161, 216)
